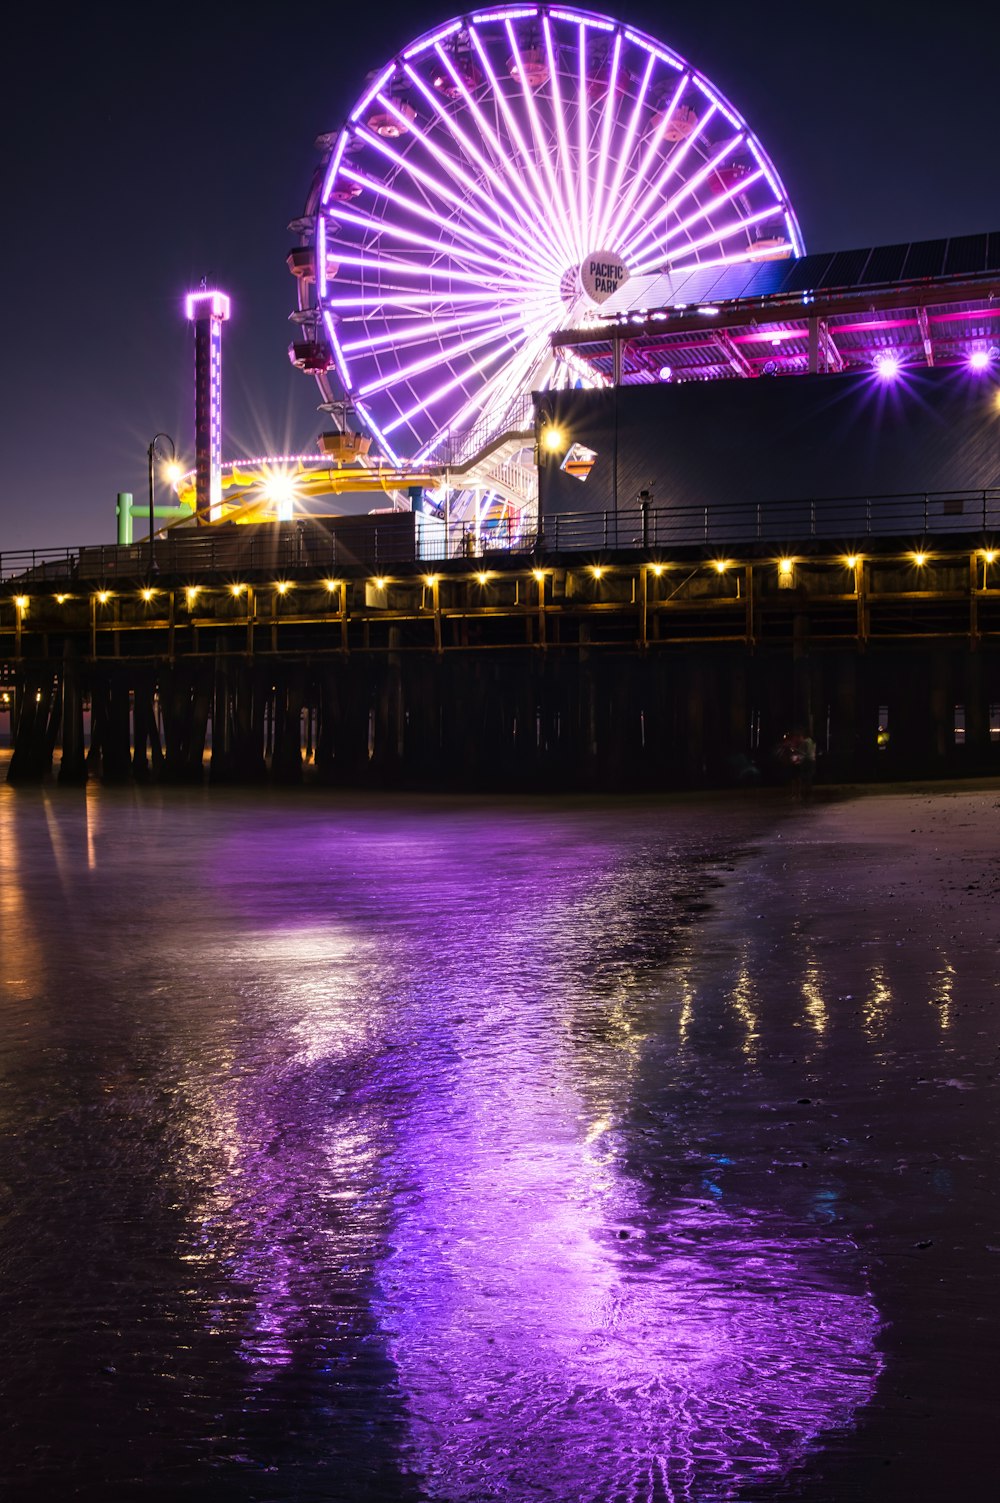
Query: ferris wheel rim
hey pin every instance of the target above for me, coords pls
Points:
(488, 299)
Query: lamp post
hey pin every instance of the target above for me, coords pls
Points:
(152, 455)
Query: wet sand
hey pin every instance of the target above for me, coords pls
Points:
(877, 911)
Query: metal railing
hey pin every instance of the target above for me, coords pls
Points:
(386, 540)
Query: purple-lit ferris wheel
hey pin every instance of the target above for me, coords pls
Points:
(500, 179)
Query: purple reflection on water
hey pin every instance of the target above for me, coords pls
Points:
(556, 1329)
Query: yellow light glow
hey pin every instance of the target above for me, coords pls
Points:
(482, 576)
(851, 561)
(282, 587)
(721, 565)
(331, 584)
(553, 439)
(379, 583)
(920, 559)
(147, 593)
(61, 599)
(988, 555)
(21, 601)
(657, 569)
(784, 566)
(596, 570)
(539, 574)
(191, 593)
(172, 472)
(237, 588)
(430, 580)
(104, 596)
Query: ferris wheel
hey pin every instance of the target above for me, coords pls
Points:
(498, 180)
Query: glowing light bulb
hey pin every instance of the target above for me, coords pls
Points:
(596, 570)
(482, 577)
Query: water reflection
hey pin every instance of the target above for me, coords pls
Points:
(436, 1120)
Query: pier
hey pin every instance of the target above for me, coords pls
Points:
(650, 650)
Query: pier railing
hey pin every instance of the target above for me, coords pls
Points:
(377, 542)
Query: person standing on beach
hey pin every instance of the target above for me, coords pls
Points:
(797, 759)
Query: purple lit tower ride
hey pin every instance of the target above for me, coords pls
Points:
(208, 311)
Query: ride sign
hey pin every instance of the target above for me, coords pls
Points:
(601, 274)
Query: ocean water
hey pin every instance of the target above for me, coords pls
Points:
(357, 1149)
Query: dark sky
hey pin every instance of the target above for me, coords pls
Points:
(147, 147)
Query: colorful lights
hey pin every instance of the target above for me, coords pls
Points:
(666, 373)
(886, 365)
(554, 136)
(980, 360)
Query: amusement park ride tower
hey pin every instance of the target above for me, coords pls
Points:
(208, 311)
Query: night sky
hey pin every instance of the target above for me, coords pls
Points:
(146, 149)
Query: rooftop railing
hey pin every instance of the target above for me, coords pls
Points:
(382, 541)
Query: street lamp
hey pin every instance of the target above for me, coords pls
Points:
(153, 453)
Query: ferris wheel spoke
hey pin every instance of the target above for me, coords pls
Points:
(569, 175)
(518, 202)
(382, 228)
(712, 237)
(704, 212)
(671, 169)
(447, 387)
(689, 186)
(556, 226)
(505, 250)
(621, 225)
(624, 152)
(494, 227)
(560, 200)
(401, 337)
(600, 207)
(442, 354)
